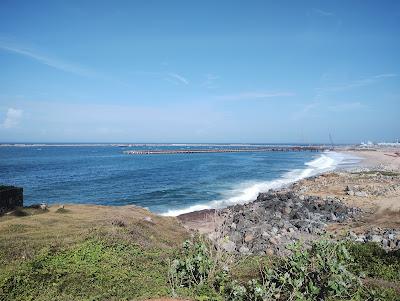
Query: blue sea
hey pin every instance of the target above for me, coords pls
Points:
(169, 184)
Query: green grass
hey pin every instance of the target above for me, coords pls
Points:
(83, 255)
(91, 270)
(86, 255)
(250, 267)
(376, 262)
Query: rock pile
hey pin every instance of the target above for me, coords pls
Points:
(389, 239)
(276, 219)
(355, 190)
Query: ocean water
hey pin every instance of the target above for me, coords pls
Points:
(169, 184)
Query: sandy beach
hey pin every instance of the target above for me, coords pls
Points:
(379, 158)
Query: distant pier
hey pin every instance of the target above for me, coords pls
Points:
(227, 150)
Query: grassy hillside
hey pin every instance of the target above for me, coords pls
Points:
(86, 253)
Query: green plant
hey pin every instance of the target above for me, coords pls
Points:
(194, 266)
(319, 273)
(375, 262)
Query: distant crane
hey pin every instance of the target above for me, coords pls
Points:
(331, 140)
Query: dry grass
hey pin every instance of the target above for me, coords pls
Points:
(86, 252)
(21, 237)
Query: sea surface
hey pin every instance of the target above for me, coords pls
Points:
(169, 184)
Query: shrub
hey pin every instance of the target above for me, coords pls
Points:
(19, 212)
(194, 267)
(320, 273)
(375, 262)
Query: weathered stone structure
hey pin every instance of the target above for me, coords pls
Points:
(10, 197)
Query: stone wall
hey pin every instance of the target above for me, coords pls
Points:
(10, 197)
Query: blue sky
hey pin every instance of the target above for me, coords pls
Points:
(199, 71)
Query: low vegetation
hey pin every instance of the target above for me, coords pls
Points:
(327, 271)
(87, 253)
(104, 253)
(377, 172)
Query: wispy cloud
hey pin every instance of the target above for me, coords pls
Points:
(171, 77)
(51, 62)
(305, 110)
(13, 118)
(177, 77)
(210, 81)
(348, 106)
(254, 95)
(385, 75)
(357, 83)
(322, 12)
(312, 108)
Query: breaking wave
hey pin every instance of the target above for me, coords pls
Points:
(248, 192)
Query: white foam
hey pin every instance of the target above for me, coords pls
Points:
(247, 192)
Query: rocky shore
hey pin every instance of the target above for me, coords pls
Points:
(276, 219)
(361, 206)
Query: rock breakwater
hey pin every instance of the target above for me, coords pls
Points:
(276, 219)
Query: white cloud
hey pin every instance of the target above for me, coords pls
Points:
(305, 111)
(308, 109)
(177, 77)
(210, 81)
(348, 106)
(357, 83)
(13, 118)
(322, 13)
(385, 75)
(255, 95)
(54, 63)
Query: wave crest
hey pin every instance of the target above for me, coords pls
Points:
(248, 192)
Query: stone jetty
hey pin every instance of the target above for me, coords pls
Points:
(227, 150)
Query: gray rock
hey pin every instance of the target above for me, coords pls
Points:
(352, 235)
(361, 194)
(287, 210)
(376, 238)
(248, 237)
(244, 250)
(228, 246)
(273, 241)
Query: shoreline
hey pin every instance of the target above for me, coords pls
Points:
(326, 161)
(366, 206)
